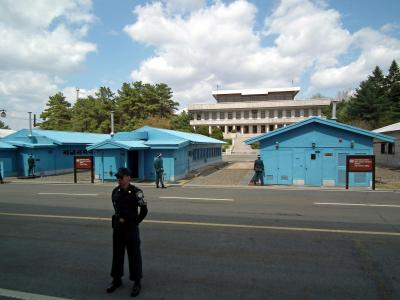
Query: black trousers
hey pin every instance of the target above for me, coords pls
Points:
(127, 237)
(31, 171)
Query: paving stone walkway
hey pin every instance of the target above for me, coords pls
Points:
(237, 173)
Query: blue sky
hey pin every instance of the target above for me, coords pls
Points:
(192, 45)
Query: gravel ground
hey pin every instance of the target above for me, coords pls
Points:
(384, 175)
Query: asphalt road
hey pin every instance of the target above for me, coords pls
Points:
(203, 243)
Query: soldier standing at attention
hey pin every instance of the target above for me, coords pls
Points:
(127, 199)
(31, 165)
(259, 171)
(159, 168)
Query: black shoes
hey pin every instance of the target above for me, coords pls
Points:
(136, 289)
(116, 283)
(163, 187)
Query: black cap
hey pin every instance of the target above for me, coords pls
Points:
(123, 172)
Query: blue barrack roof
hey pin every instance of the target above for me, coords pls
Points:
(45, 138)
(331, 123)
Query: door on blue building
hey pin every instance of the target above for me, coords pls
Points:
(278, 166)
(133, 163)
(313, 167)
(270, 166)
(284, 167)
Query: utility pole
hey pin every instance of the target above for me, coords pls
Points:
(30, 123)
(112, 123)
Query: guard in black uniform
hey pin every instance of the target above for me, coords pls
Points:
(127, 199)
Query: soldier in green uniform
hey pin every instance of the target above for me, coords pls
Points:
(127, 199)
(159, 169)
(259, 171)
(31, 165)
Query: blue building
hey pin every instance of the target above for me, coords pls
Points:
(313, 152)
(8, 159)
(136, 150)
(52, 150)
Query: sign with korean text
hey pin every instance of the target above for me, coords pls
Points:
(83, 163)
(361, 164)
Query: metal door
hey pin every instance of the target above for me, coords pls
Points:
(284, 167)
(270, 159)
(313, 168)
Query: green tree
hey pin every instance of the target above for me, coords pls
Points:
(216, 133)
(182, 122)
(92, 114)
(202, 129)
(105, 104)
(369, 104)
(57, 115)
(136, 102)
(165, 105)
(3, 125)
(154, 122)
(393, 93)
(130, 106)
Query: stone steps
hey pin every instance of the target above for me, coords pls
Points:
(240, 147)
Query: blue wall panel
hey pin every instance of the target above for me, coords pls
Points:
(8, 163)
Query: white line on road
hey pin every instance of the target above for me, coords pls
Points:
(67, 194)
(204, 199)
(27, 296)
(243, 226)
(356, 204)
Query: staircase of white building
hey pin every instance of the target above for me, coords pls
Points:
(239, 146)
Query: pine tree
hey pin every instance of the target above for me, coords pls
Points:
(393, 93)
(57, 115)
(370, 102)
(182, 122)
(202, 129)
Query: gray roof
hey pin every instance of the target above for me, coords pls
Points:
(389, 128)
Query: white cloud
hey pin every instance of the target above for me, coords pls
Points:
(40, 42)
(183, 6)
(213, 45)
(23, 91)
(377, 49)
(218, 44)
(70, 93)
(308, 30)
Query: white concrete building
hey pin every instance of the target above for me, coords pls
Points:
(388, 154)
(255, 111)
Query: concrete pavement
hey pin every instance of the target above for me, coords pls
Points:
(56, 241)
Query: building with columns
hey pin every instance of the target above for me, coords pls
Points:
(255, 111)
